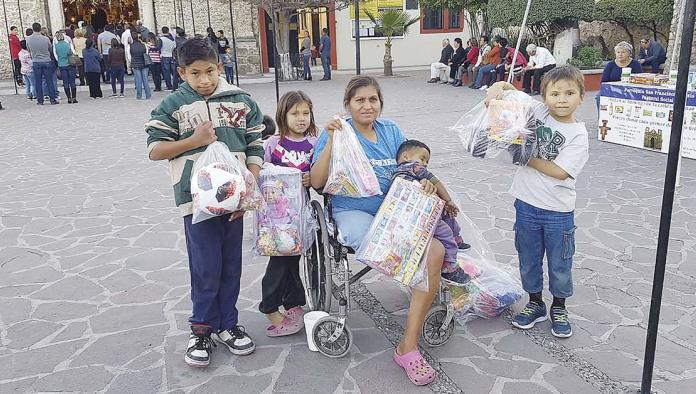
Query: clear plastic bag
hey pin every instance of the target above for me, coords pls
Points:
(350, 171)
(221, 184)
(284, 226)
(504, 130)
(398, 239)
(494, 288)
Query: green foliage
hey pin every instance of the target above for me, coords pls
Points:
(392, 22)
(634, 11)
(504, 13)
(587, 57)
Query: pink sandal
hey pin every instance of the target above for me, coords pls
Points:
(287, 327)
(295, 313)
(418, 370)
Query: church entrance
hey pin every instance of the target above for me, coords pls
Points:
(98, 13)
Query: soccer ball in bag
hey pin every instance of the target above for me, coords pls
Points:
(216, 190)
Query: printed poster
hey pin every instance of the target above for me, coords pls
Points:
(641, 116)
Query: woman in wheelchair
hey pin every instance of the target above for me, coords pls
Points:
(380, 139)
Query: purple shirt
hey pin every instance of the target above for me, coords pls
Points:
(289, 153)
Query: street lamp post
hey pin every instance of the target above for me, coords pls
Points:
(234, 44)
(356, 6)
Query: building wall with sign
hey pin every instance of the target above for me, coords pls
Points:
(419, 47)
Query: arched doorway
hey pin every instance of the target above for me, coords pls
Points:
(98, 13)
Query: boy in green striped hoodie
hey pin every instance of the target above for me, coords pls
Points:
(206, 109)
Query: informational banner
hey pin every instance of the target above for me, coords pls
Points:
(641, 116)
(374, 6)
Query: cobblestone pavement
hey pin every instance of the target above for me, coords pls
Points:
(94, 289)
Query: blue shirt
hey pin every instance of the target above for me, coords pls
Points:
(382, 156)
(326, 45)
(612, 72)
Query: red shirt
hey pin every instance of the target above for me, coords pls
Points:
(15, 47)
(472, 56)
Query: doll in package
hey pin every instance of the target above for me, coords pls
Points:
(283, 227)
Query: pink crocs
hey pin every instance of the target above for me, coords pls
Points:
(295, 313)
(287, 327)
(418, 370)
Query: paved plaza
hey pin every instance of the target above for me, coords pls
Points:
(94, 284)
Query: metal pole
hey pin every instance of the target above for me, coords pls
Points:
(668, 195)
(275, 55)
(181, 14)
(356, 6)
(193, 18)
(7, 28)
(175, 18)
(234, 45)
(519, 40)
(207, 5)
(21, 24)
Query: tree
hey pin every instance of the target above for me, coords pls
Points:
(391, 23)
(627, 14)
(476, 14)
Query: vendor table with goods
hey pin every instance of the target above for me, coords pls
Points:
(639, 114)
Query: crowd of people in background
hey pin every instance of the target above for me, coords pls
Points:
(104, 56)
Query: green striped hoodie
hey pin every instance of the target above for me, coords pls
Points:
(236, 119)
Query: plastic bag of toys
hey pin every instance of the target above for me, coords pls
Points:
(493, 289)
(350, 172)
(505, 129)
(398, 239)
(284, 225)
(221, 184)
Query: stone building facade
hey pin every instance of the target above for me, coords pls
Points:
(193, 16)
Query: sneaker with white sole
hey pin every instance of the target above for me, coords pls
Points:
(200, 346)
(560, 326)
(531, 314)
(484, 87)
(237, 340)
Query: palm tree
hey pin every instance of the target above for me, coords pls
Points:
(391, 23)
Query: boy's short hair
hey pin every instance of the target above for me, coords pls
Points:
(194, 49)
(270, 127)
(563, 73)
(410, 144)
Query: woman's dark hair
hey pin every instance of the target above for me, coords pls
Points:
(196, 48)
(362, 81)
(89, 43)
(503, 41)
(485, 39)
(474, 43)
(115, 43)
(289, 100)
(23, 44)
(28, 32)
(270, 127)
(458, 41)
(410, 144)
(180, 32)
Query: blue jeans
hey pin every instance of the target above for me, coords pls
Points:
(538, 231)
(655, 64)
(214, 249)
(483, 71)
(142, 83)
(44, 72)
(168, 71)
(68, 74)
(117, 73)
(229, 74)
(307, 69)
(352, 227)
(326, 65)
(29, 85)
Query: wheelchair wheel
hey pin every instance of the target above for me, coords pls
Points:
(322, 332)
(322, 281)
(433, 334)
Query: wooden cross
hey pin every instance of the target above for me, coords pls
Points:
(604, 129)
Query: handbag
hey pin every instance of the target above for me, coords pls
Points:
(74, 60)
(147, 59)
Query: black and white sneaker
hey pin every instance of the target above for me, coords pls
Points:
(200, 346)
(237, 340)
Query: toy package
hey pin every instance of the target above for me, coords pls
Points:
(493, 289)
(284, 225)
(221, 184)
(350, 172)
(400, 234)
(506, 125)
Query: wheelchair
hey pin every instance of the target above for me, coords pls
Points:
(327, 275)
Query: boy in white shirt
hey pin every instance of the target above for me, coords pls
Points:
(545, 198)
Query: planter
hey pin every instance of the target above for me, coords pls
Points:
(593, 79)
